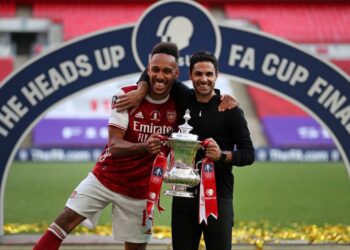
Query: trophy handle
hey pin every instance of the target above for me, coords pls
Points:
(196, 167)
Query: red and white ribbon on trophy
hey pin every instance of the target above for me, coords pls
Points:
(207, 190)
(155, 182)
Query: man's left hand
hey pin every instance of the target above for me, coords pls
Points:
(212, 150)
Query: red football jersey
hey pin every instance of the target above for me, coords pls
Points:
(130, 175)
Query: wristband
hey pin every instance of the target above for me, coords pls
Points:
(223, 157)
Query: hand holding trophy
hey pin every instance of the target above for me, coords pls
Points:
(184, 173)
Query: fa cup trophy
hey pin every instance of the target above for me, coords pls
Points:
(182, 172)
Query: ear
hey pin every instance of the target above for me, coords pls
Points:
(177, 72)
(148, 70)
(190, 72)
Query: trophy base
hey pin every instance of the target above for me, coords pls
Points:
(180, 191)
(183, 194)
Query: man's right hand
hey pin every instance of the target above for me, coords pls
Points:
(227, 102)
(153, 143)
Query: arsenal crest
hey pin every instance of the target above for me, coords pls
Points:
(171, 115)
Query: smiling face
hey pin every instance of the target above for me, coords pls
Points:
(162, 71)
(203, 76)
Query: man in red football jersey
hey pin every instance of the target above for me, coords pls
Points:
(122, 173)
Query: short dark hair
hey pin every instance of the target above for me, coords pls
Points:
(166, 48)
(203, 56)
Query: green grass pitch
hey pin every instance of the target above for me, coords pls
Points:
(277, 193)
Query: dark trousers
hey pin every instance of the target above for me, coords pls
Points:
(186, 231)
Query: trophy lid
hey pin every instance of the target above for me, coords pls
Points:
(184, 133)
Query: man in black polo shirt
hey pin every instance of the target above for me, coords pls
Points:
(230, 145)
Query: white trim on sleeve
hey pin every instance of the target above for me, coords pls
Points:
(119, 119)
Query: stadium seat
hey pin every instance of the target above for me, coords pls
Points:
(79, 18)
(7, 8)
(304, 22)
(343, 64)
(267, 104)
(6, 67)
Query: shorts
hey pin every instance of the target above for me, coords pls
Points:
(128, 215)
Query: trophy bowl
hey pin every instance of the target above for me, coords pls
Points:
(182, 173)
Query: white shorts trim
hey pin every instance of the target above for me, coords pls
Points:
(91, 197)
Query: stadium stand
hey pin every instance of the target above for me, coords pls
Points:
(79, 18)
(302, 23)
(6, 67)
(8, 9)
(265, 104)
(343, 64)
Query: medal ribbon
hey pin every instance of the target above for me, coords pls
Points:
(207, 190)
(155, 184)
